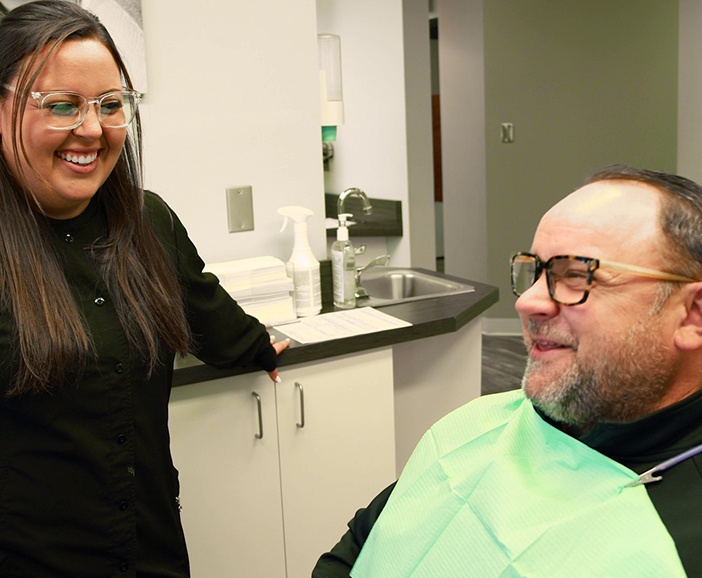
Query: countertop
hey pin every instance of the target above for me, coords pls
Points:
(429, 317)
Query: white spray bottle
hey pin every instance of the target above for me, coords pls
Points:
(303, 267)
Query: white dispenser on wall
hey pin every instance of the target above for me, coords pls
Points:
(302, 267)
(343, 267)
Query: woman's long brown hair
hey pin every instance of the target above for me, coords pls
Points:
(53, 343)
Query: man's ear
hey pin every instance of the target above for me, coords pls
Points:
(688, 335)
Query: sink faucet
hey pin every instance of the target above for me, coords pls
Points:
(367, 207)
(381, 261)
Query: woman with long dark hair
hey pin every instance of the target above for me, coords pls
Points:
(100, 288)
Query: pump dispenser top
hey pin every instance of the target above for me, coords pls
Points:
(342, 233)
(302, 267)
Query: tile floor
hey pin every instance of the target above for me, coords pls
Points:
(503, 361)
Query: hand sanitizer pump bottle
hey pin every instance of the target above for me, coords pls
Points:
(343, 267)
(302, 267)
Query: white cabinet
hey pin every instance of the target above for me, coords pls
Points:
(230, 481)
(268, 507)
(432, 377)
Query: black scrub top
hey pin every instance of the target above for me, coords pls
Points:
(87, 485)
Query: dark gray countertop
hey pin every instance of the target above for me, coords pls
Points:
(428, 317)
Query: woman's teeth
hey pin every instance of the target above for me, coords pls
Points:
(78, 159)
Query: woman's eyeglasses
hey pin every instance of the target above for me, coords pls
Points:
(66, 110)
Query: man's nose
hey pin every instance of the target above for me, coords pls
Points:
(536, 300)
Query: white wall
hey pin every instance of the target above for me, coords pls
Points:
(420, 160)
(233, 100)
(371, 146)
(248, 75)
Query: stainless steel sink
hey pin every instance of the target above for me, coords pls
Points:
(389, 285)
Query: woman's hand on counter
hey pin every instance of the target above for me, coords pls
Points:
(282, 346)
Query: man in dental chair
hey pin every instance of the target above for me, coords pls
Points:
(593, 468)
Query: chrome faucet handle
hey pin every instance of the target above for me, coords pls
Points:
(380, 261)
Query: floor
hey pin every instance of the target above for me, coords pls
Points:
(503, 361)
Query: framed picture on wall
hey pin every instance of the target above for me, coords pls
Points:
(124, 21)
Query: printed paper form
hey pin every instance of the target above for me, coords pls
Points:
(340, 324)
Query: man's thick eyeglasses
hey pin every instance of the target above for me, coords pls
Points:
(66, 110)
(569, 277)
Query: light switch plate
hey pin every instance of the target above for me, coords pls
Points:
(507, 132)
(240, 209)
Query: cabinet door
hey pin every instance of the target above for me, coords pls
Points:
(230, 482)
(342, 457)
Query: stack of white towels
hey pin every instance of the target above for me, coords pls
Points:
(261, 287)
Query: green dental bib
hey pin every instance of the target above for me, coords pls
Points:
(494, 491)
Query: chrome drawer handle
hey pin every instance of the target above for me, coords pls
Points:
(301, 423)
(259, 435)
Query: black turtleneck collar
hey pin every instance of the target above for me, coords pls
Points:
(655, 437)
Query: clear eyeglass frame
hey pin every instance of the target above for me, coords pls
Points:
(569, 278)
(66, 110)
(115, 109)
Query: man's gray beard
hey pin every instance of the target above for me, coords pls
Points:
(571, 399)
(624, 383)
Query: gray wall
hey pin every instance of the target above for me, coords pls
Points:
(586, 83)
(461, 72)
(690, 91)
